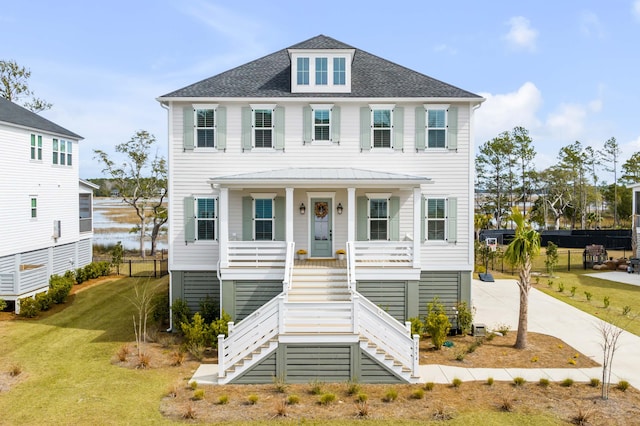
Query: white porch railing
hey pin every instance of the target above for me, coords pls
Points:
(386, 333)
(288, 267)
(250, 334)
(382, 254)
(266, 254)
(351, 266)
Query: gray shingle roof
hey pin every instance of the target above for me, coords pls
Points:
(372, 76)
(15, 114)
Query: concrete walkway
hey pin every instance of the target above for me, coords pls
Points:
(498, 303)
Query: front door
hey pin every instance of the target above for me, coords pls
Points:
(321, 244)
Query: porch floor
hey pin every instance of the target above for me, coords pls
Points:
(320, 263)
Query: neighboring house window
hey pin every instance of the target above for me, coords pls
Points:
(379, 219)
(321, 124)
(62, 152)
(263, 219)
(205, 128)
(303, 71)
(206, 218)
(436, 128)
(436, 217)
(322, 71)
(381, 124)
(34, 207)
(36, 147)
(339, 71)
(263, 128)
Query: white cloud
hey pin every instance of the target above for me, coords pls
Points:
(590, 25)
(635, 9)
(521, 35)
(445, 48)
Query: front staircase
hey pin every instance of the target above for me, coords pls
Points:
(318, 306)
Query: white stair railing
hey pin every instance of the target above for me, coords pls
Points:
(249, 335)
(351, 266)
(287, 282)
(386, 333)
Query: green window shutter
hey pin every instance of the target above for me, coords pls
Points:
(189, 220)
(280, 219)
(421, 138)
(335, 124)
(221, 127)
(247, 219)
(423, 218)
(394, 219)
(365, 129)
(187, 128)
(452, 219)
(307, 120)
(278, 128)
(247, 127)
(398, 128)
(452, 130)
(363, 215)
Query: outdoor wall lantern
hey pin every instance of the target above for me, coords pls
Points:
(302, 208)
(339, 208)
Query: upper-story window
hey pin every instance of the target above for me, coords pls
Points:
(36, 147)
(321, 124)
(303, 71)
(263, 128)
(381, 124)
(339, 71)
(205, 126)
(62, 152)
(436, 127)
(322, 71)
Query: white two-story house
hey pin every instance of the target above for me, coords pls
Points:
(320, 147)
(46, 213)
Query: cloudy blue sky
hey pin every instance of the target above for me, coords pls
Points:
(567, 70)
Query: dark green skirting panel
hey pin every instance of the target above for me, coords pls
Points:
(194, 286)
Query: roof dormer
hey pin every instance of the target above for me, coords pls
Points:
(321, 70)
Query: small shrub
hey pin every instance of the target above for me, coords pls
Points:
(567, 383)
(535, 358)
(606, 302)
(193, 385)
(437, 323)
(3, 305)
(417, 326)
(15, 370)
(315, 387)
(362, 397)
(550, 283)
(280, 384)
(144, 361)
(327, 398)
(594, 382)
(391, 395)
(172, 392)
(60, 287)
(160, 308)
(489, 381)
(456, 382)
(573, 291)
(189, 412)
(123, 352)
(460, 355)
(506, 405)
(489, 337)
(582, 417)
(223, 400)
(465, 317)
(252, 399)
(198, 395)
(519, 381)
(362, 409)
(177, 358)
(626, 310)
(623, 385)
(441, 413)
(429, 386)
(417, 394)
(281, 408)
(293, 400)
(181, 313)
(543, 382)
(81, 276)
(28, 307)
(44, 301)
(353, 387)
(588, 295)
(561, 287)
(209, 309)
(503, 329)
(571, 361)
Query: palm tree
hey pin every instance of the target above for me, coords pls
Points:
(525, 245)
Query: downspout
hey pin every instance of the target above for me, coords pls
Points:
(170, 329)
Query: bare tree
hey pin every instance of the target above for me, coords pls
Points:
(610, 155)
(14, 87)
(610, 334)
(142, 301)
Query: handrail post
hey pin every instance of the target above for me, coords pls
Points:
(356, 313)
(416, 354)
(221, 357)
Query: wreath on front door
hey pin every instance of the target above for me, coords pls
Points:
(322, 209)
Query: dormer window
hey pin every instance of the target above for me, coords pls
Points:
(321, 71)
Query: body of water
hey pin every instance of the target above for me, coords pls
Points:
(108, 232)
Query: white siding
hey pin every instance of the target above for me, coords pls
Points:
(449, 170)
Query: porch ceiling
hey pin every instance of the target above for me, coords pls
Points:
(320, 177)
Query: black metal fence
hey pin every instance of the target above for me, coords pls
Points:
(611, 239)
(141, 267)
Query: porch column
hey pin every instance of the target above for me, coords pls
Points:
(417, 226)
(351, 214)
(223, 218)
(288, 236)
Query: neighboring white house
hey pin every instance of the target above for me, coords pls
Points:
(46, 214)
(322, 147)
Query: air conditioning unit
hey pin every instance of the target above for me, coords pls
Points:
(57, 229)
(479, 330)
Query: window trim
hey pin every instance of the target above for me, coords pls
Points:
(263, 196)
(302, 73)
(378, 196)
(444, 220)
(263, 107)
(321, 107)
(213, 219)
(436, 107)
(62, 155)
(33, 207)
(382, 107)
(330, 55)
(35, 148)
(197, 107)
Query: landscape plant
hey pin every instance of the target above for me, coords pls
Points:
(28, 307)
(437, 323)
(551, 260)
(465, 317)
